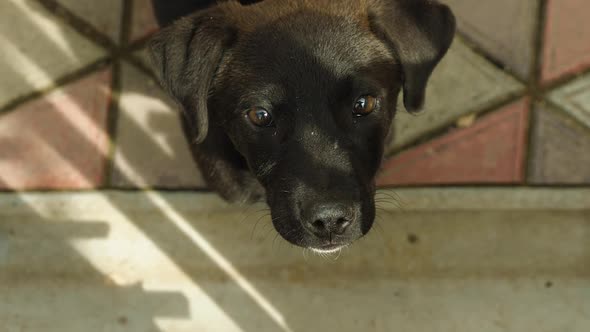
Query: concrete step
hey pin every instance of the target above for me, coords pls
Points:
(438, 260)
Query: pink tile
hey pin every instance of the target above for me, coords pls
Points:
(59, 141)
(567, 38)
(143, 21)
(490, 151)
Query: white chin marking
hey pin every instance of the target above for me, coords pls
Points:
(326, 251)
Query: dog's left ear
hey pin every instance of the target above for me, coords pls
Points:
(186, 56)
(420, 32)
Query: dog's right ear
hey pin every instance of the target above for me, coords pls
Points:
(186, 56)
(420, 32)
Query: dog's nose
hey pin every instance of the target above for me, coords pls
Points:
(327, 219)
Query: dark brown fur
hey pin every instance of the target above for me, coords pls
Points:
(305, 61)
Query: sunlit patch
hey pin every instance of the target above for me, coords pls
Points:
(219, 260)
(154, 107)
(48, 27)
(29, 70)
(149, 108)
(169, 296)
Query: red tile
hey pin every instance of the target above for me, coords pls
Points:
(143, 21)
(567, 38)
(59, 141)
(490, 151)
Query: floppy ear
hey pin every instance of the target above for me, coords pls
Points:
(186, 56)
(420, 33)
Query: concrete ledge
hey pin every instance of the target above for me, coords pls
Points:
(405, 199)
(451, 259)
(487, 198)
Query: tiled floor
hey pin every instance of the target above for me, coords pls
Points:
(68, 58)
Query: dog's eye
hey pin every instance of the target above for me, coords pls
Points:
(260, 117)
(364, 105)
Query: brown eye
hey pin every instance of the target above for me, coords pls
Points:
(260, 117)
(364, 105)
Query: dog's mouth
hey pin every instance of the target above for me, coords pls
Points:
(324, 233)
(328, 249)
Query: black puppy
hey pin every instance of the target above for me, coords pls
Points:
(292, 101)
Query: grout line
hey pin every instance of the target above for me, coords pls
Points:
(134, 60)
(72, 76)
(126, 22)
(197, 190)
(114, 53)
(527, 141)
(538, 46)
(135, 46)
(562, 81)
(112, 121)
(496, 63)
(116, 90)
(531, 143)
(57, 83)
(560, 110)
(79, 24)
(545, 86)
(534, 85)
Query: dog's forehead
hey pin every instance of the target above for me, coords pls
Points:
(309, 43)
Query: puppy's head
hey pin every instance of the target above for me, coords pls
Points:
(306, 92)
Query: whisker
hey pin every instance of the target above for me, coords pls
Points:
(304, 253)
(394, 197)
(248, 213)
(256, 224)
(274, 240)
(381, 232)
(389, 202)
(270, 229)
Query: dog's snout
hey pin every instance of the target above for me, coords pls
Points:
(325, 220)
